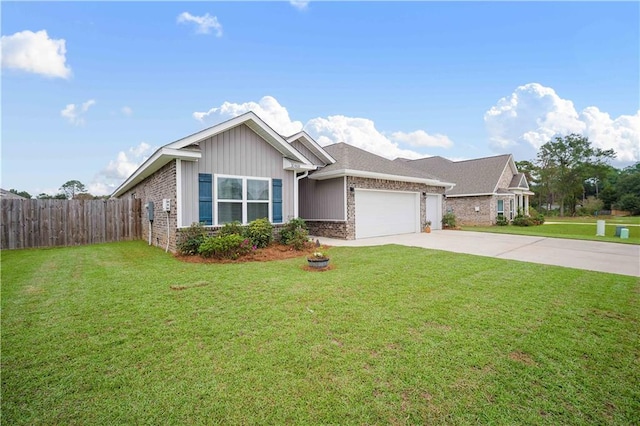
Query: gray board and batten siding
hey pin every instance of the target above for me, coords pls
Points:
(300, 147)
(236, 152)
(323, 199)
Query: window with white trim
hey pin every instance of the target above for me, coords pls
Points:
(242, 199)
(500, 208)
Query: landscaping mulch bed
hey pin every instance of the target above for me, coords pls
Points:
(272, 252)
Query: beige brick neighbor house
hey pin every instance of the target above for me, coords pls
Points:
(485, 189)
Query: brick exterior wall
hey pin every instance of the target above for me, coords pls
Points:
(329, 229)
(160, 185)
(347, 229)
(464, 208)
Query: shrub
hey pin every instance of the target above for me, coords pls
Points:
(191, 238)
(295, 234)
(231, 228)
(449, 220)
(521, 220)
(590, 206)
(260, 232)
(502, 221)
(225, 247)
(538, 219)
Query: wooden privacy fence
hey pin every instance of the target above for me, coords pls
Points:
(49, 223)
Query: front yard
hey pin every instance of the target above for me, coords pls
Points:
(126, 334)
(574, 228)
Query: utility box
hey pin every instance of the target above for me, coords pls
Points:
(166, 205)
(624, 233)
(600, 228)
(149, 207)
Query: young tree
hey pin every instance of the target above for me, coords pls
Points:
(566, 163)
(628, 189)
(72, 188)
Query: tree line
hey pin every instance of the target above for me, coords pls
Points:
(572, 177)
(70, 190)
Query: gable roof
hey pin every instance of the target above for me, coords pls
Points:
(352, 161)
(256, 124)
(187, 148)
(312, 146)
(479, 176)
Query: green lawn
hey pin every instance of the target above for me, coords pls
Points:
(619, 220)
(573, 228)
(391, 335)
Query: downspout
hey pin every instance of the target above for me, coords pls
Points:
(295, 192)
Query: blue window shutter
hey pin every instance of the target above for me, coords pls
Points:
(205, 198)
(276, 185)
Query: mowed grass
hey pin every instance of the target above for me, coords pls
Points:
(573, 228)
(126, 334)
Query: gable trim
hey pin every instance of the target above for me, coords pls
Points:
(312, 145)
(256, 124)
(159, 158)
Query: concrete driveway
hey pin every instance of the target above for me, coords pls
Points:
(589, 255)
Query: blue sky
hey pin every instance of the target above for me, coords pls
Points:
(90, 89)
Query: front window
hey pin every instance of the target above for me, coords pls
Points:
(242, 199)
(500, 208)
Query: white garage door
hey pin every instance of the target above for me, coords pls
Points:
(381, 213)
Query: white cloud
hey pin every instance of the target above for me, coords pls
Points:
(75, 113)
(534, 114)
(267, 108)
(420, 138)
(126, 111)
(299, 4)
(35, 53)
(359, 132)
(204, 23)
(109, 178)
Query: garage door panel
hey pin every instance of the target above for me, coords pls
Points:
(380, 213)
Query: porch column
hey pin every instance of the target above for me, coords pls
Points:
(526, 205)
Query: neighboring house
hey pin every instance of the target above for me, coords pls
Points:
(10, 195)
(485, 187)
(242, 170)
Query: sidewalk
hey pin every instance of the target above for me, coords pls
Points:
(598, 256)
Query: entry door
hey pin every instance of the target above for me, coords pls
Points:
(434, 210)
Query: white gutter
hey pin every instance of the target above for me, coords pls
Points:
(295, 192)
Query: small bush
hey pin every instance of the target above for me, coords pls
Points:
(295, 234)
(521, 220)
(590, 206)
(225, 247)
(191, 239)
(502, 221)
(231, 228)
(538, 219)
(260, 232)
(449, 220)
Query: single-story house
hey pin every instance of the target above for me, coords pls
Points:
(242, 169)
(486, 188)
